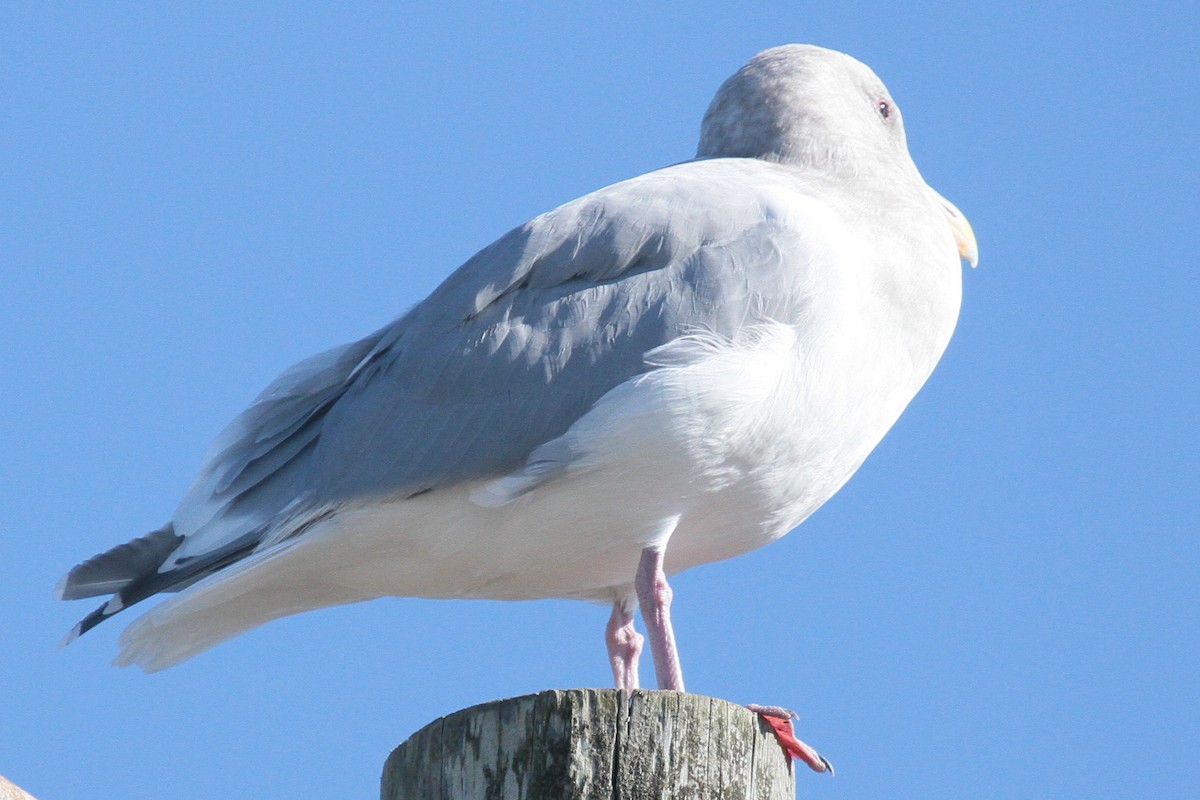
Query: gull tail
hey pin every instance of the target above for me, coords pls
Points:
(266, 586)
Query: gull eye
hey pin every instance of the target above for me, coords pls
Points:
(885, 109)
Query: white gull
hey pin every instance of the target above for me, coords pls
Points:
(673, 370)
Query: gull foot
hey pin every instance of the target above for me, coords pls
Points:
(780, 720)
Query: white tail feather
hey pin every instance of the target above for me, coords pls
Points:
(265, 587)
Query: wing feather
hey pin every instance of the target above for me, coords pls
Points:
(506, 354)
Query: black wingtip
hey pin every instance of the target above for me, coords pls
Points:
(152, 582)
(92, 620)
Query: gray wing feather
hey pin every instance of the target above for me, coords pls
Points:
(506, 354)
(502, 358)
(586, 292)
(256, 466)
(285, 418)
(115, 569)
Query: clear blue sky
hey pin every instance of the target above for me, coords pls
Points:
(1002, 603)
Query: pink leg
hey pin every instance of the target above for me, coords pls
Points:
(654, 595)
(624, 645)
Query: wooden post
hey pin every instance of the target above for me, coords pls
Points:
(593, 743)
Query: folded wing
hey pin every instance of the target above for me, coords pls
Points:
(505, 355)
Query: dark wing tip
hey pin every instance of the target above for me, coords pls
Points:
(92, 620)
(115, 569)
(152, 581)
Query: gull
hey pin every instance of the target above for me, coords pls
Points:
(673, 370)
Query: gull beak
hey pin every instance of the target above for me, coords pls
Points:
(967, 247)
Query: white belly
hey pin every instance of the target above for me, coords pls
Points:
(724, 448)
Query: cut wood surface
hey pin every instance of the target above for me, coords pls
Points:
(592, 743)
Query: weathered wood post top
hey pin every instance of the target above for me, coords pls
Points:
(593, 743)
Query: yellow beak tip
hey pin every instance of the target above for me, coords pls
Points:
(969, 253)
(968, 248)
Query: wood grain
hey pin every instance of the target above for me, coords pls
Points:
(594, 744)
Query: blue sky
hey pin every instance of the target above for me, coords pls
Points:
(1002, 603)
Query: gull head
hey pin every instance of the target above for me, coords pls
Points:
(806, 105)
(822, 110)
